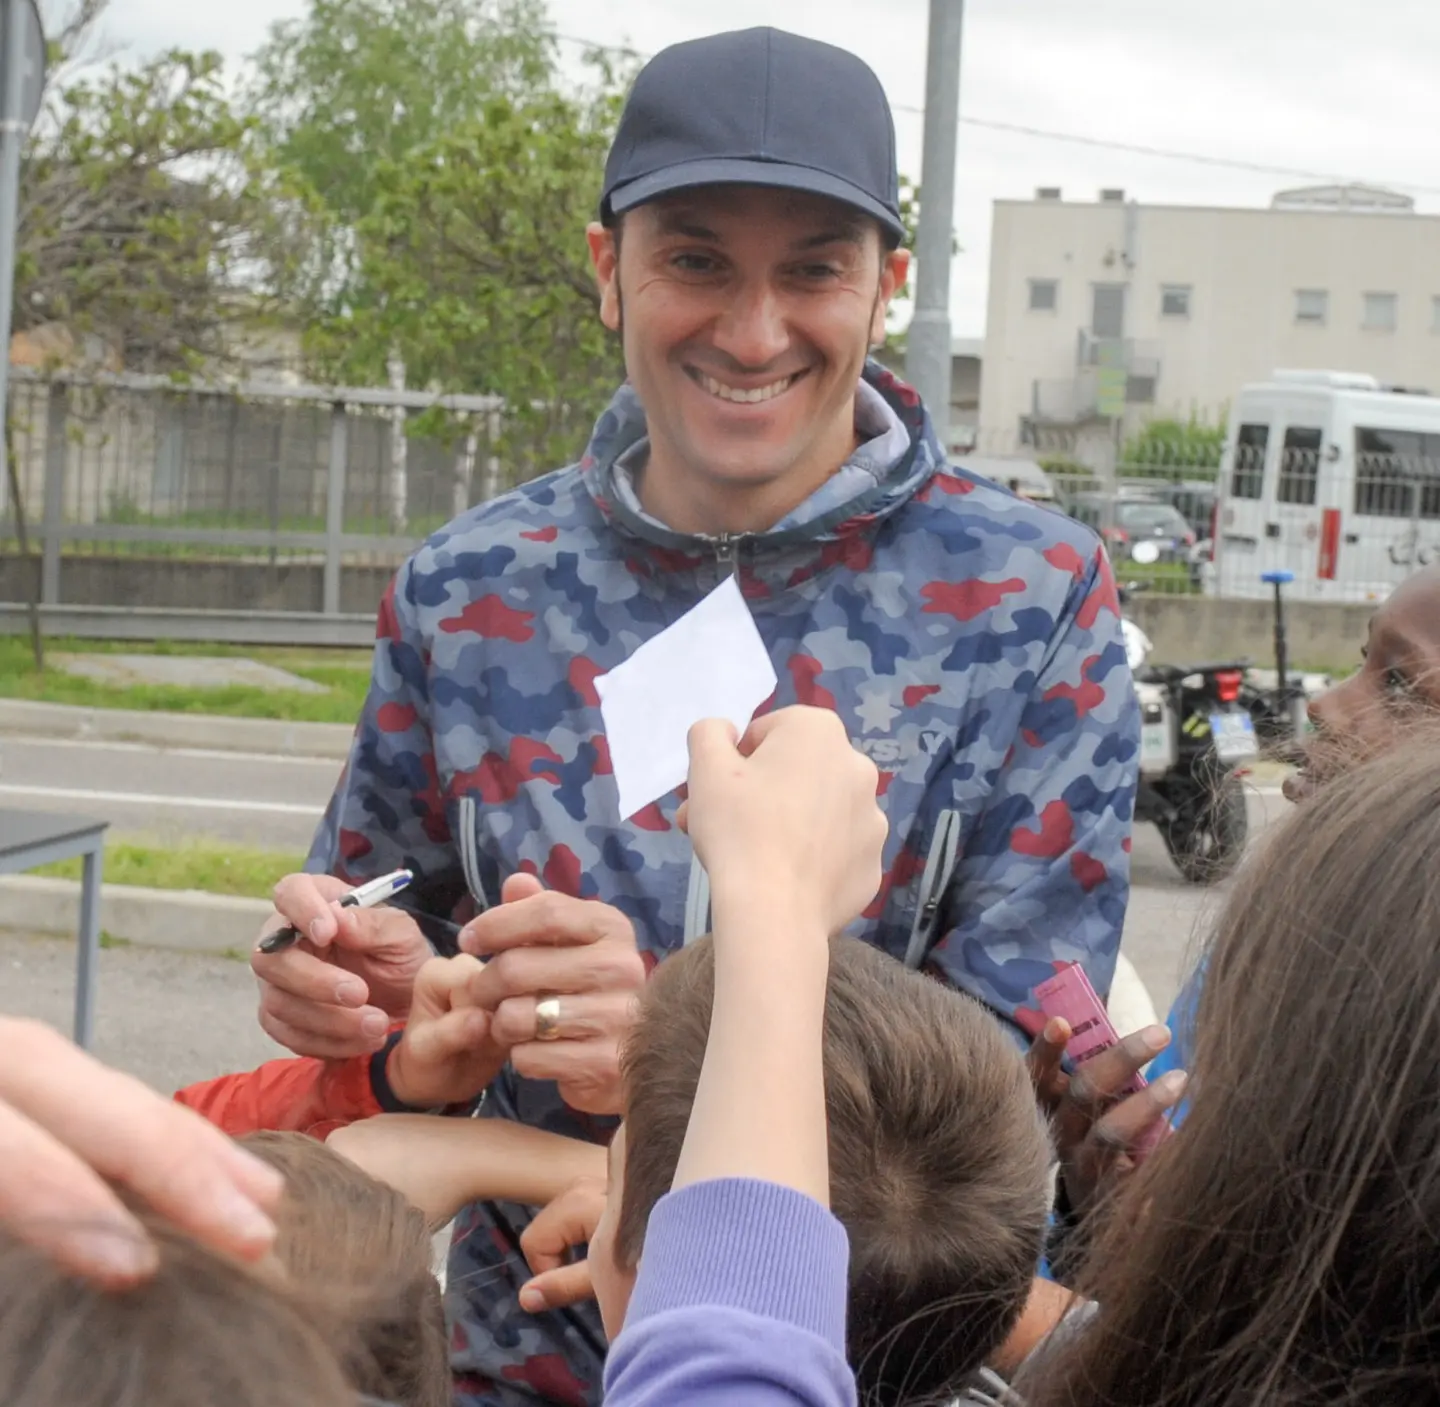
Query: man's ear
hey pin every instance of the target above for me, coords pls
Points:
(605, 259)
(894, 270)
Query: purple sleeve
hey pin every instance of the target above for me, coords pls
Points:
(1045, 873)
(740, 1298)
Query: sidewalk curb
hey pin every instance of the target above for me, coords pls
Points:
(220, 732)
(185, 920)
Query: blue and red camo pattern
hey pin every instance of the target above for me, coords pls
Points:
(971, 642)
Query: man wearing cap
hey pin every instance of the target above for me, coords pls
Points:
(746, 254)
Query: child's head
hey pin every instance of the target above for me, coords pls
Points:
(938, 1161)
(1398, 684)
(204, 1331)
(357, 1244)
(1285, 1245)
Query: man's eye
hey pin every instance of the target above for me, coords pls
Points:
(694, 263)
(817, 273)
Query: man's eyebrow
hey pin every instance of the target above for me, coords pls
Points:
(847, 233)
(684, 222)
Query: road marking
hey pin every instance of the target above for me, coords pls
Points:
(209, 754)
(136, 798)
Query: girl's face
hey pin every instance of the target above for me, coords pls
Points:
(1398, 680)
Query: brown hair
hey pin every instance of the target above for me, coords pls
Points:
(1284, 1247)
(202, 1332)
(938, 1158)
(356, 1243)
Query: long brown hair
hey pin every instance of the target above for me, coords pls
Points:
(1284, 1246)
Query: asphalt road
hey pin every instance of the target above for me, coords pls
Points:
(208, 1004)
(170, 794)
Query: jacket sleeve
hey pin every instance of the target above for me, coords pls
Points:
(1044, 874)
(299, 1096)
(387, 811)
(740, 1298)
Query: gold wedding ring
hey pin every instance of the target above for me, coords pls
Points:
(547, 1019)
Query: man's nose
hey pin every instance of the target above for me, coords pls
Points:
(752, 331)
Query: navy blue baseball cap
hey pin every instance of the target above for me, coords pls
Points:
(756, 107)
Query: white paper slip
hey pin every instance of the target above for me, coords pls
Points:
(710, 664)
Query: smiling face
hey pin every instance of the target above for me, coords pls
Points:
(746, 316)
(1398, 683)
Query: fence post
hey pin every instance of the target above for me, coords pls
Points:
(52, 517)
(335, 507)
(399, 449)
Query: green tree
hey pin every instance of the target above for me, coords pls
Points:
(143, 218)
(474, 269)
(1175, 449)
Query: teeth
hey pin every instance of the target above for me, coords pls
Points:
(739, 397)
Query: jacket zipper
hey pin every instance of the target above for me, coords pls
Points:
(727, 551)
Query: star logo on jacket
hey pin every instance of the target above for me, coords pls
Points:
(876, 711)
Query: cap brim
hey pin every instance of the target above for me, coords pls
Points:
(735, 171)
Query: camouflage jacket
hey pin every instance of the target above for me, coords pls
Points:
(969, 639)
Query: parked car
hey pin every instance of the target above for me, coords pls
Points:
(1194, 498)
(1021, 476)
(1123, 520)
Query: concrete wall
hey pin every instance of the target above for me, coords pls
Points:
(1243, 267)
(1194, 628)
(1181, 627)
(179, 583)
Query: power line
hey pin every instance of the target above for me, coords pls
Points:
(1098, 143)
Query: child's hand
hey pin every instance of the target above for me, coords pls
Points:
(790, 810)
(569, 1221)
(447, 1054)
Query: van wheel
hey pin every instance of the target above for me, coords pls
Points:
(1206, 838)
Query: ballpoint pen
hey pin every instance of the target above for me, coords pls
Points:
(377, 891)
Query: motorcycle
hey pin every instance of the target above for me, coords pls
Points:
(1197, 736)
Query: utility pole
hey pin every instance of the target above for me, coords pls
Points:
(927, 351)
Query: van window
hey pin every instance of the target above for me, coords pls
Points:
(1390, 467)
(1299, 466)
(1247, 477)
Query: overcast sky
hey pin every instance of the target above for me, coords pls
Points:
(1329, 87)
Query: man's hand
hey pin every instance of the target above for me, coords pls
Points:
(561, 984)
(1099, 1141)
(569, 1221)
(446, 1054)
(335, 993)
(69, 1125)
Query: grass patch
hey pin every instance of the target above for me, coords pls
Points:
(345, 675)
(203, 865)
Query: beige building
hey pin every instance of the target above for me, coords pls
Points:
(1105, 314)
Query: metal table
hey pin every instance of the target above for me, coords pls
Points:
(31, 838)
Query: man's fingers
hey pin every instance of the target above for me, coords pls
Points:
(598, 967)
(181, 1165)
(520, 886)
(328, 1033)
(558, 1289)
(545, 918)
(712, 742)
(568, 1062)
(444, 983)
(300, 974)
(583, 1017)
(305, 900)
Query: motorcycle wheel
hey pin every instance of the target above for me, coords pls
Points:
(1207, 835)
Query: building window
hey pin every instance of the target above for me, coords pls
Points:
(1247, 474)
(1175, 300)
(1379, 314)
(1139, 390)
(1044, 295)
(1107, 311)
(1299, 466)
(1312, 305)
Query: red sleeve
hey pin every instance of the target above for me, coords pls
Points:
(296, 1095)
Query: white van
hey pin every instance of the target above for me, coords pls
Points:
(1332, 477)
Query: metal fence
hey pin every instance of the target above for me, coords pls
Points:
(118, 470)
